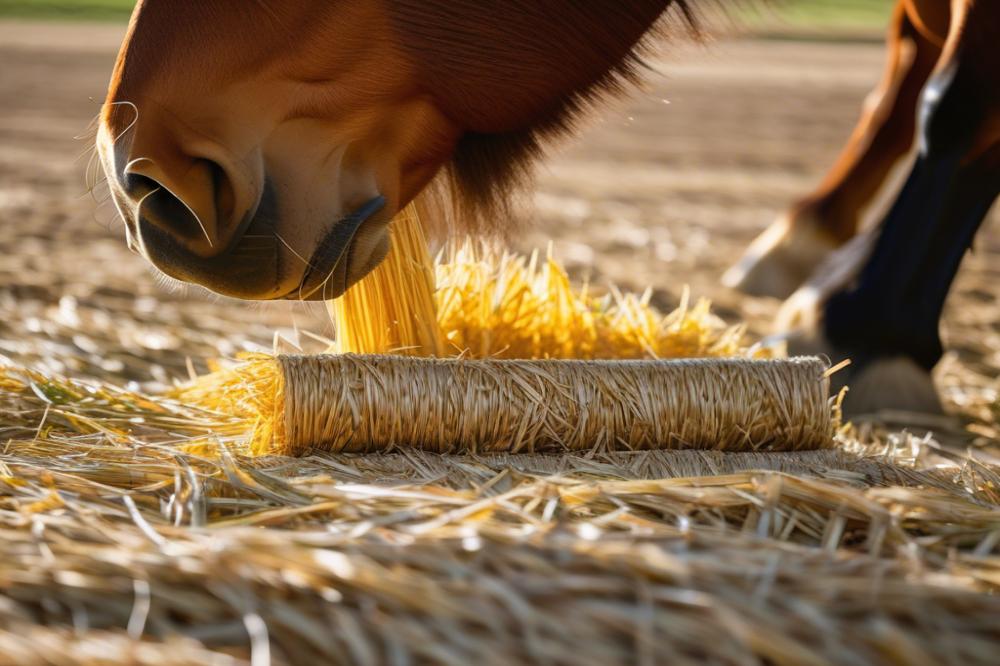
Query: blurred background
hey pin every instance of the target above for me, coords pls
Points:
(663, 189)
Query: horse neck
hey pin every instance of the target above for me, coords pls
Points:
(509, 65)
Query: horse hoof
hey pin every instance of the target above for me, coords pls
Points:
(780, 259)
(874, 385)
(894, 384)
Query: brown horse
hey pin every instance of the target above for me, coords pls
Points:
(260, 149)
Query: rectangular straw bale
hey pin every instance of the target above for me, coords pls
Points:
(377, 403)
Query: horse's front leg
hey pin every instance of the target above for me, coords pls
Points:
(788, 251)
(887, 320)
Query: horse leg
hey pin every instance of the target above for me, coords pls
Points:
(788, 251)
(889, 318)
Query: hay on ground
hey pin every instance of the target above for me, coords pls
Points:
(139, 537)
(476, 301)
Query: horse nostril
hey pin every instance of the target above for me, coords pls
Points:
(158, 206)
(137, 186)
(225, 195)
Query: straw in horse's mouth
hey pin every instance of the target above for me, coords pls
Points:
(331, 252)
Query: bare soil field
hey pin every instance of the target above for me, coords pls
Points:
(664, 189)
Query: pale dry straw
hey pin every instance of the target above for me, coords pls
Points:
(377, 403)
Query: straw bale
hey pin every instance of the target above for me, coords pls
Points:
(376, 403)
(483, 306)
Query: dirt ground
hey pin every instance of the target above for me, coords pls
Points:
(664, 189)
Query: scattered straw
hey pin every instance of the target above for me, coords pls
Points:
(494, 304)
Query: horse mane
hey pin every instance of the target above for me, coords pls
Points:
(487, 170)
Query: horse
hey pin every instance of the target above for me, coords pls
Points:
(261, 149)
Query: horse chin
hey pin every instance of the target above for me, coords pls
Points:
(360, 258)
(345, 253)
(367, 251)
(243, 273)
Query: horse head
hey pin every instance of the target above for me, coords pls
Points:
(261, 149)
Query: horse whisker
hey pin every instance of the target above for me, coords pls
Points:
(292, 250)
(130, 125)
(91, 130)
